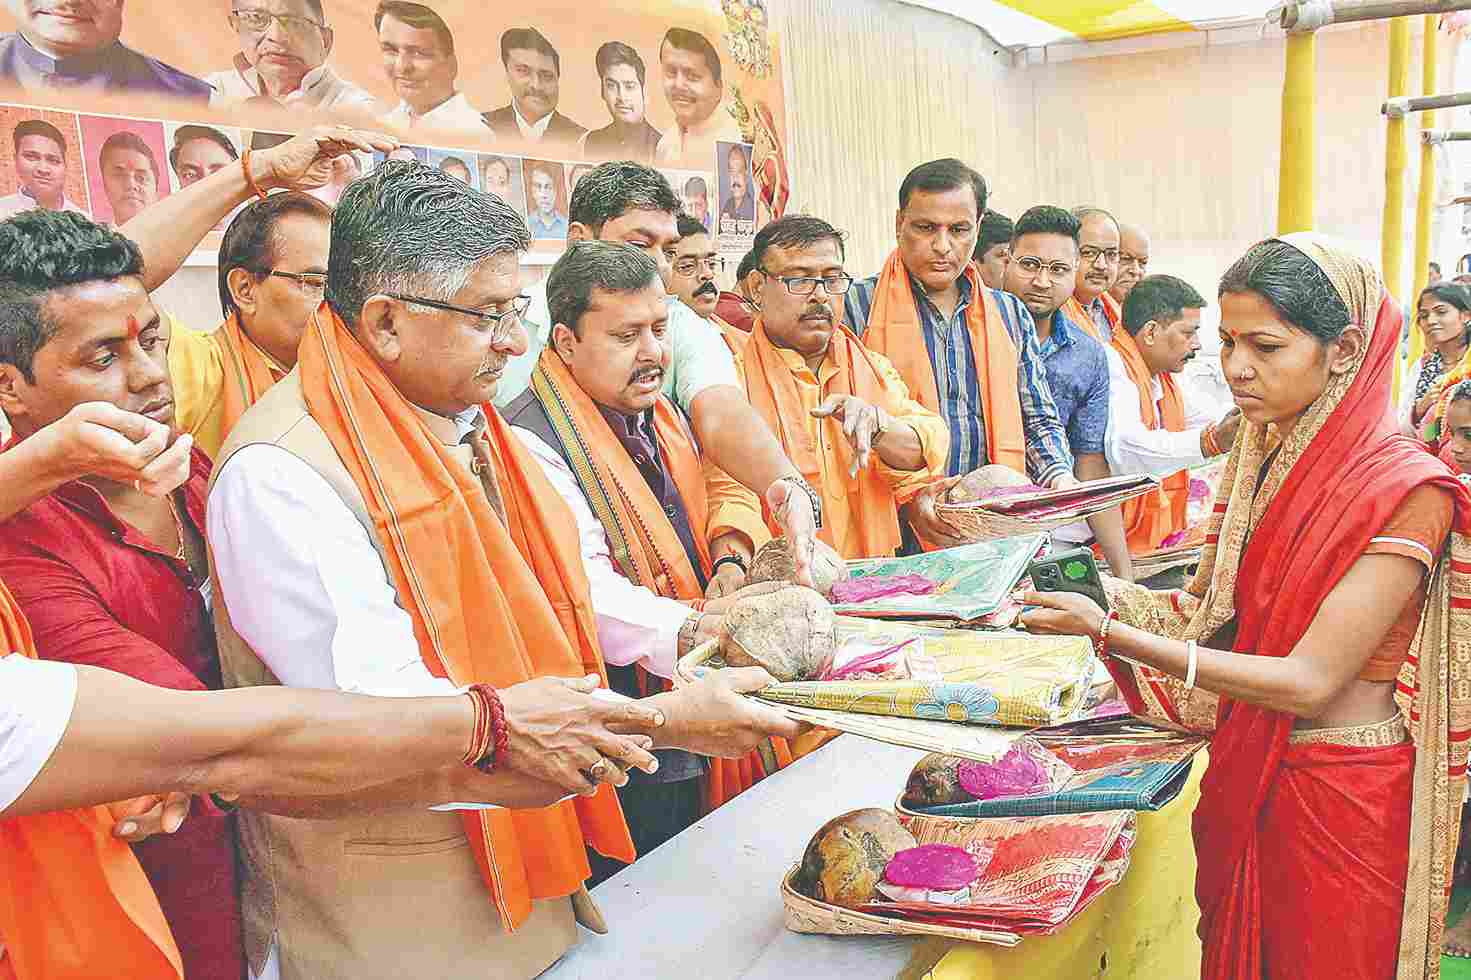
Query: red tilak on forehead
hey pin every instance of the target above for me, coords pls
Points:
(133, 327)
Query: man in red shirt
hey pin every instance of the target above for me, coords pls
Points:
(108, 575)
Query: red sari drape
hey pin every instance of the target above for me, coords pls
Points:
(1303, 848)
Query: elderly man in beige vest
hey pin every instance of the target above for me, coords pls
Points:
(376, 527)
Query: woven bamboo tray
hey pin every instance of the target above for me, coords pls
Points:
(706, 655)
(979, 524)
(807, 915)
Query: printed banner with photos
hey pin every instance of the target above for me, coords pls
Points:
(110, 105)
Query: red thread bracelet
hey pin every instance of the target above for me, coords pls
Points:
(249, 177)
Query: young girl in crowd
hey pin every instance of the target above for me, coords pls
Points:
(1443, 314)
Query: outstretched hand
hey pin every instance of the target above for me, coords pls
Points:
(792, 508)
(100, 439)
(861, 422)
(1062, 614)
(714, 717)
(140, 818)
(304, 162)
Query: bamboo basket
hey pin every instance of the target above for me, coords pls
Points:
(979, 524)
(807, 915)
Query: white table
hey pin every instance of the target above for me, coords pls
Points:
(707, 905)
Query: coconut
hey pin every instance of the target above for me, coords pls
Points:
(984, 482)
(791, 631)
(774, 562)
(846, 859)
(935, 781)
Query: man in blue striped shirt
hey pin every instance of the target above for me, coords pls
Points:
(940, 204)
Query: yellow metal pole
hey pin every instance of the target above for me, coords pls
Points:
(1425, 203)
(1392, 243)
(1295, 179)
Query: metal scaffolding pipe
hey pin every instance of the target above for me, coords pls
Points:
(1309, 15)
(1396, 162)
(1425, 202)
(1401, 106)
(1433, 136)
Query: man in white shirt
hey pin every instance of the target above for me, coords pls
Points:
(427, 290)
(40, 167)
(1161, 319)
(534, 76)
(419, 58)
(693, 85)
(634, 204)
(284, 46)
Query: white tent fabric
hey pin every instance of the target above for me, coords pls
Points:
(1032, 23)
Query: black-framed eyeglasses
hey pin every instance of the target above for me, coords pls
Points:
(504, 321)
(1091, 255)
(807, 285)
(311, 282)
(692, 265)
(259, 21)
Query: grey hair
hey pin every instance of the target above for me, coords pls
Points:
(590, 265)
(1085, 211)
(409, 228)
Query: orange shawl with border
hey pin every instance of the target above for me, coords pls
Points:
(1149, 519)
(894, 331)
(74, 902)
(773, 393)
(249, 373)
(465, 579)
(643, 542)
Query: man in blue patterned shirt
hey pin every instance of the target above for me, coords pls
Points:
(940, 204)
(1042, 270)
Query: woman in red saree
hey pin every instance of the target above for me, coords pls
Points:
(1325, 642)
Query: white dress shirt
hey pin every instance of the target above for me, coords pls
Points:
(455, 112)
(38, 696)
(320, 88)
(13, 204)
(531, 132)
(1132, 448)
(635, 625)
(698, 142)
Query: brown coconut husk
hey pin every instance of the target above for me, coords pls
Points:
(935, 781)
(774, 562)
(790, 631)
(978, 484)
(845, 860)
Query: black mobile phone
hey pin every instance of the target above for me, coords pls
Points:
(1069, 571)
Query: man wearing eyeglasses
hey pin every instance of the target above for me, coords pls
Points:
(1098, 269)
(66, 47)
(841, 411)
(1041, 273)
(966, 351)
(375, 527)
(1133, 262)
(284, 45)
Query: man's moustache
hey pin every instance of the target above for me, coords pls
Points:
(647, 374)
(708, 287)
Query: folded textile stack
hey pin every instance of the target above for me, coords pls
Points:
(1002, 511)
(961, 584)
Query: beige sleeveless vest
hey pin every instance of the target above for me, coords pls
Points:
(382, 897)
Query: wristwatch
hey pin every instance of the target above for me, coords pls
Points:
(806, 488)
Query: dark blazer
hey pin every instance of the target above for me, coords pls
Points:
(559, 130)
(119, 67)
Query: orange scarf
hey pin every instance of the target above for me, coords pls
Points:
(773, 393)
(465, 579)
(894, 331)
(249, 373)
(1075, 312)
(1149, 519)
(644, 544)
(74, 902)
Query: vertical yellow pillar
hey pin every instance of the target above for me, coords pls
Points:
(1425, 203)
(1392, 241)
(1295, 179)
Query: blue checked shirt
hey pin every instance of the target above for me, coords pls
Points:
(958, 388)
(1077, 372)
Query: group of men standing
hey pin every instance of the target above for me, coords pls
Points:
(420, 477)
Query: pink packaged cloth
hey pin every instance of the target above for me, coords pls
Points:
(878, 587)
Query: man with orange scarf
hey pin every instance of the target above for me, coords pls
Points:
(1151, 426)
(966, 352)
(1091, 304)
(272, 269)
(841, 411)
(623, 457)
(375, 526)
